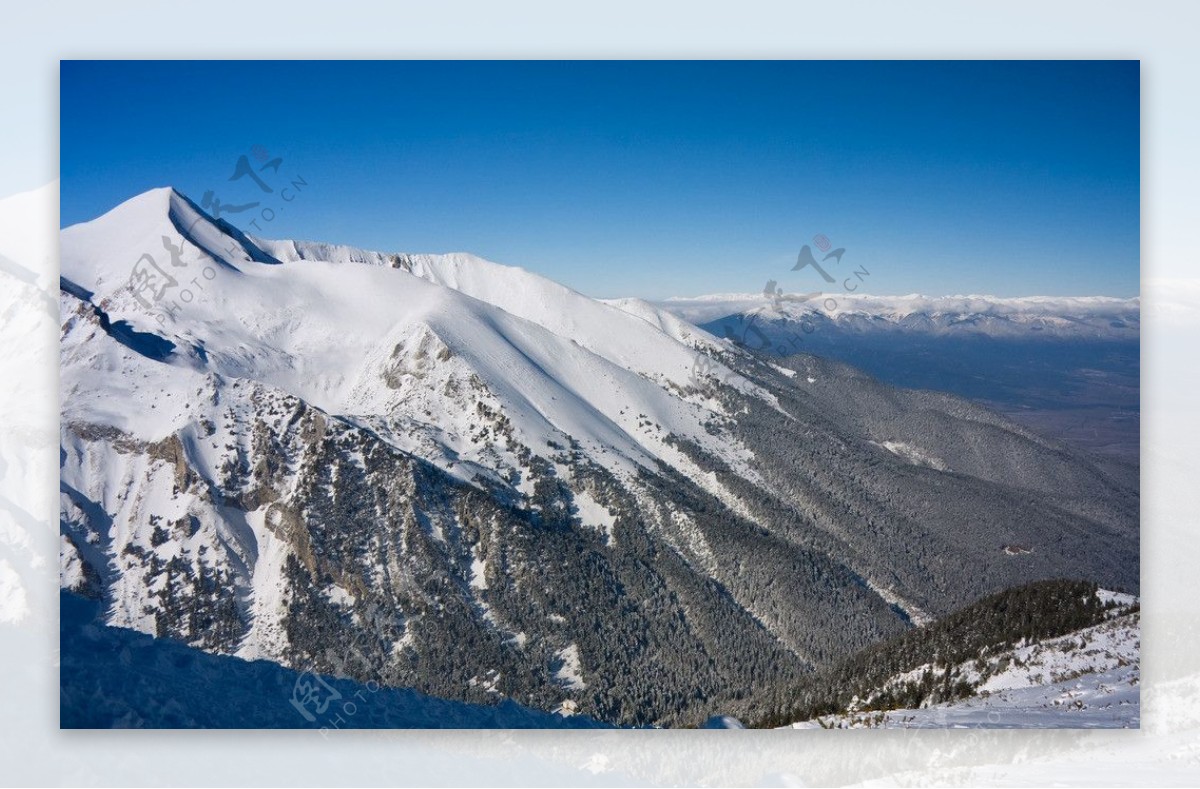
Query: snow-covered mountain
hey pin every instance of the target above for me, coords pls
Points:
(437, 472)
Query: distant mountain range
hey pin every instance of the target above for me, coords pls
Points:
(1032, 317)
(439, 473)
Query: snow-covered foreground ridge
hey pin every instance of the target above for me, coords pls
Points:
(1090, 678)
(438, 472)
(1009, 650)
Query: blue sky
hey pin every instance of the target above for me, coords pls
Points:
(648, 178)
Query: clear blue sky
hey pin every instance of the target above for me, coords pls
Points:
(649, 178)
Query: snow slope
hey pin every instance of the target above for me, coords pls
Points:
(1096, 700)
(1087, 679)
(600, 327)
